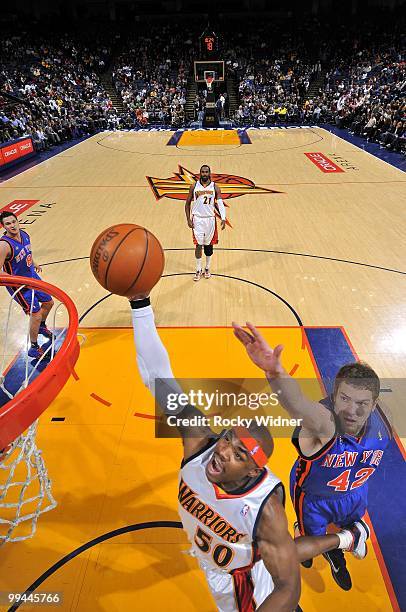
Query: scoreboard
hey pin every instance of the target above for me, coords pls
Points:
(209, 44)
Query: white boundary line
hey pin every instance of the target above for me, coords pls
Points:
(363, 150)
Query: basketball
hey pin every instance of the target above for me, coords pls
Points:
(127, 259)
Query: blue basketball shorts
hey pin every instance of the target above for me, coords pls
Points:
(315, 513)
(24, 298)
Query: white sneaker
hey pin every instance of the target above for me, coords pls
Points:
(207, 273)
(361, 533)
(198, 275)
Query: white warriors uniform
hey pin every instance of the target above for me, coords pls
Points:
(203, 214)
(222, 530)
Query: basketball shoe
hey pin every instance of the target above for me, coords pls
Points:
(198, 275)
(360, 533)
(44, 331)
(207, 273)
(339, 569)
(36, 352)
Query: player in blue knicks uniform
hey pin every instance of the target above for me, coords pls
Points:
(341, 444)
(16, 258)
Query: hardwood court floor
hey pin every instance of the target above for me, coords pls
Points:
(304, 247)
(294, 242)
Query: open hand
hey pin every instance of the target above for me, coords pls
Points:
(259, 351)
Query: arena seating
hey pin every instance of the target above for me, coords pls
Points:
(308, 74)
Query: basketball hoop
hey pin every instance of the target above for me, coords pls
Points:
(209, 78)
(25, 488)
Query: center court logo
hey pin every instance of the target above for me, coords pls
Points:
(177, 186)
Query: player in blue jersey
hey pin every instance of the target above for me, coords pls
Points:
(16, 258)
(340, 443)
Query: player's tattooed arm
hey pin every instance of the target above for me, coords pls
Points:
(187, 206)
(315, 418)
(279, 554)
(5, 251)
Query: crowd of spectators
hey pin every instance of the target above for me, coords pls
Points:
(369, 96)
(59, 86)
(354, 81)
(336, 75)
(151, 75)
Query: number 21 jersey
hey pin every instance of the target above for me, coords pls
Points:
(204, 199)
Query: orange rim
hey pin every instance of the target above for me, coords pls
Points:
(25, 408)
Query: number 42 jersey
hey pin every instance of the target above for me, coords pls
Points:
(346, 462)
(221, 526)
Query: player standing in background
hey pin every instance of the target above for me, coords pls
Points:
(202, 198)
(340, 444)
(16, 258)
(230, 503)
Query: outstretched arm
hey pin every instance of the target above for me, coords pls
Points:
(315, 417)
(153, 363)
(308, 547)
(278, 552)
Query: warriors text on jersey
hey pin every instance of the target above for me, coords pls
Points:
(203, 203)
(220, 526)
(346, 462)
(20, 261)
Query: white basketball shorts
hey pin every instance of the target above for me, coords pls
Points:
(205, 230)
(239, 591)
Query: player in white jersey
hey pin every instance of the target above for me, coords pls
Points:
(231, 504)
(200, 208)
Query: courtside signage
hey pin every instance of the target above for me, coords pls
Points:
(18, 206)
(16, 150)
(323, 163)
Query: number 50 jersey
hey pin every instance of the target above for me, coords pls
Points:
(220, 526)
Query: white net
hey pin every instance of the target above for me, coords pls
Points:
(25, 492)
(25, 487)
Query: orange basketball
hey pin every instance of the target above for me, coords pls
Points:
(126, 259)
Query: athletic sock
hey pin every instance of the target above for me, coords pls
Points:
(208, 257)
(198, 264)
(346, 539)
